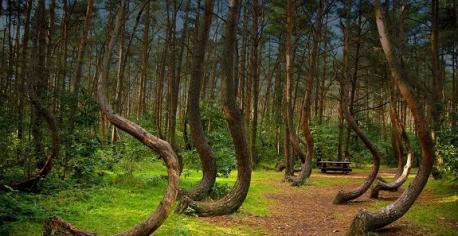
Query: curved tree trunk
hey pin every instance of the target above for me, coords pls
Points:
(207, 159)
(38, 105)
(57, 226)
(162, 147)
(52, 125)
(393, 186)
(343, 197)
(234, 199)
(306, 167)
(291, 134)
(366, 221)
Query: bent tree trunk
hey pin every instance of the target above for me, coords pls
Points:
(393, 186)
(234, 199)
(291, 134)
(52, 125)
(367, 221)
(306, 167)
(207, 159)
(402, 176)
(39, 107)
(162, 147)
(343, 197)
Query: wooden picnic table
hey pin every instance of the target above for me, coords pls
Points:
(338, 166)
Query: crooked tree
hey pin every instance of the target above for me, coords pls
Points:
(366, 221)
(234, 199)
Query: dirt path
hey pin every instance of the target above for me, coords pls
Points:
(308, 210)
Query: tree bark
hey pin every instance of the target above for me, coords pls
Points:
(343, 197)
(145, 64)
(437, 84)
(254, 69)
(367, 221)
(207, 157)
(162, 147)
(394, 186)
(172, 98)
(290, 133)
(235, 198)
(396, 140)
(306, 167)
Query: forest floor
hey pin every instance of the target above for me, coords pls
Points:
(308, 210)
(272, 207)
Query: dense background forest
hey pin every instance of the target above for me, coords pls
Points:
(227, 88)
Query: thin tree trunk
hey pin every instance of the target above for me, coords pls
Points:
(145, 64)
(242, 74)
(436, 106)
(172, 82)
(395, 132)
(290, 133)
(124, 52)
(21, 77)
(254, 69)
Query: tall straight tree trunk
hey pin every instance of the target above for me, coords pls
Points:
(40, 85)
(234, 199)
(290, 134)
(396, 140)
(21, 77)
(74, 102)
(437, 96)
(119, 81)
(124, 51)
(172, 82)
(60, 92)
(184, 37)
(367, 221)
(242, 74)
(254, 69)
(145, 63)
(354, 81)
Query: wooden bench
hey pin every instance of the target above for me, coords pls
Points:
(338, 166)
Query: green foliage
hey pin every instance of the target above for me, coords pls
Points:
(219, 190)
(15, 206)
(447, 150)
(219, 139)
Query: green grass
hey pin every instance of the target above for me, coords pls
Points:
(120, 202)
(440, 205)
